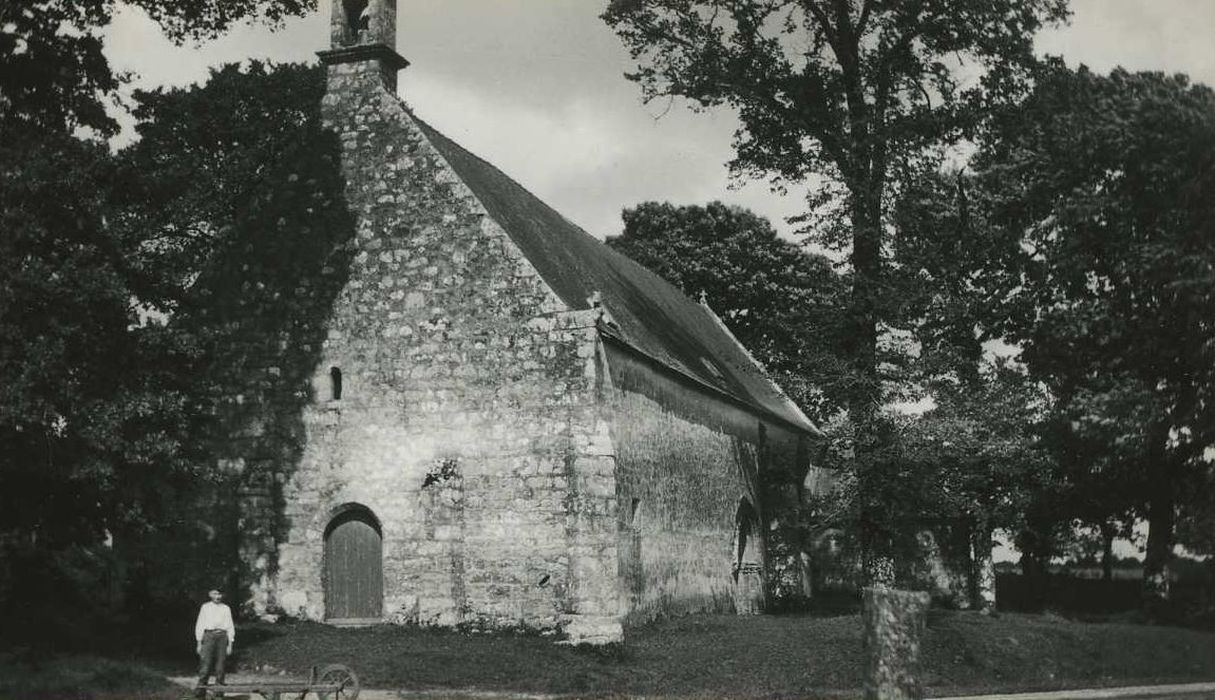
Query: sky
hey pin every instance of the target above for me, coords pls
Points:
(537, 88)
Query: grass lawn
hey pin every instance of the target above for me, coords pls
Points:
(80, 677)
(721, 655)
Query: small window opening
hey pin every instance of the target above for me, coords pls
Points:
(634, 506)
(335, 384)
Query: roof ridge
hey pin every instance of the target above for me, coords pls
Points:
(780, 392)
(610, 250)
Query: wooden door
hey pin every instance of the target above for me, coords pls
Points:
(354, 575)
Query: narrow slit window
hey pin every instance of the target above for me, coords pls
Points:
(335, 384)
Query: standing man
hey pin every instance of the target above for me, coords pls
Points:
(214, 634)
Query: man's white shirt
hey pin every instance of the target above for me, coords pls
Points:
(214, 616)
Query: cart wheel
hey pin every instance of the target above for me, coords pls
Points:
(342, 678)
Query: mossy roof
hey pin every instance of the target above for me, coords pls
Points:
(651, 315)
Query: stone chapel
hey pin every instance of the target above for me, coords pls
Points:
(510, 424)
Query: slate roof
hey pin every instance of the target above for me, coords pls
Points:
(652, 316)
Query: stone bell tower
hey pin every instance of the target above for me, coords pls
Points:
(364, 32)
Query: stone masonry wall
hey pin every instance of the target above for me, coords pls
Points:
(467, 423)
(686, 460)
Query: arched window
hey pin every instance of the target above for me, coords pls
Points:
(335, 384)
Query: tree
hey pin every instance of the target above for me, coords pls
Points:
(1096, 221)
(84, 410)
(89, 404)
(63, 319)
(129, 285)
(91, 408)
(53, 72)
(202, 168)
(95, 402)
(972, 464)
(952, 273)
(859, 92)
(781, 302)
(236, 196)
(980, 463)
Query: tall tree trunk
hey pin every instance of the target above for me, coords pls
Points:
(1161, 520)
(1034, 572)
(982, 568)
(1161, 517)
(865, 395)
(1108, 531)
(1035, 545)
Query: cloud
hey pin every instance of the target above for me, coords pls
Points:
(1139, 35)
(537, 88)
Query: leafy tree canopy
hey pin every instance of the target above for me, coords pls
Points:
(860, 92)
(83, 421)
(1085, 238)
(235, 193)
(231, 195)
(847, 88)
(236, 196)
(209, 159)
(54, 73)
(1105, 183)
(972, 464)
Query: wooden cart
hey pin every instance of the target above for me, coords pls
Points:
(332, 682)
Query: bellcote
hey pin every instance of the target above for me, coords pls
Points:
(365, 31)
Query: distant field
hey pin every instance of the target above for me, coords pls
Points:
(1118, 574)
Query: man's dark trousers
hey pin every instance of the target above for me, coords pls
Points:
(214, 652)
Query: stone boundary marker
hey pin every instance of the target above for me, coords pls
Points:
(893, 626)
(1189, 691)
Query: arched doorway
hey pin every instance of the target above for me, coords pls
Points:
(354, 566)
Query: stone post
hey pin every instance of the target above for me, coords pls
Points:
(894, 626)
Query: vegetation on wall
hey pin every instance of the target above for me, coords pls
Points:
(236, 188)
(142, 287)
(95, 400)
